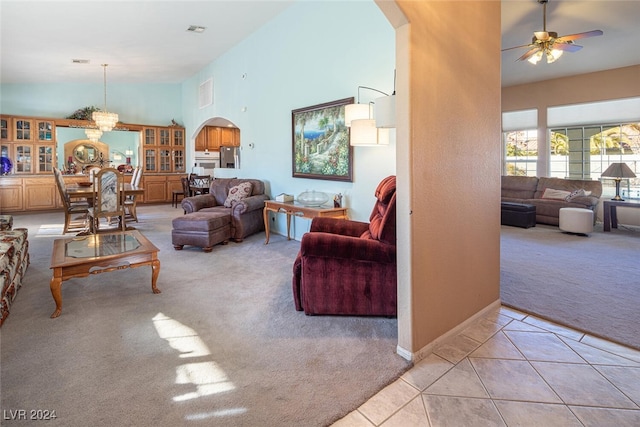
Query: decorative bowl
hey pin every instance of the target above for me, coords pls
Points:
(85, 184)
(313, 198)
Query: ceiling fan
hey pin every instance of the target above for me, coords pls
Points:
(547, 43)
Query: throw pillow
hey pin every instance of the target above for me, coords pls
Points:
(550, 193)
(578, 193)
(237, 193)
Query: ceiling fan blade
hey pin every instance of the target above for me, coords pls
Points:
(567, 47)
(528, 54)
(571, 37)
(518, 47)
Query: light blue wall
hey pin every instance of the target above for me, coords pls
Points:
(314, 52)
(152, 104)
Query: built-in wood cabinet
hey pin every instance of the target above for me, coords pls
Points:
(40, 193)
(213, 137)
(29, 143)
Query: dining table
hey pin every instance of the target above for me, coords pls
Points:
(76, 191)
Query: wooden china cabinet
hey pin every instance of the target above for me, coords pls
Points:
(30, 145)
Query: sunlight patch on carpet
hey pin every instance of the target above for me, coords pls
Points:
(207, 378)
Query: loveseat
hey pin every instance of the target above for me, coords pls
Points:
(549, 195)
(246, 213)
(14, 260)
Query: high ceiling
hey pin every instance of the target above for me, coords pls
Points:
(147, 41)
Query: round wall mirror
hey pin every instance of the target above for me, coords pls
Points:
(85, 153)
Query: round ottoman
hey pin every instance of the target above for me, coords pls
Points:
(576, 220)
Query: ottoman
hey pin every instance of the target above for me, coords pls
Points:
(576, 220)
(203, 229)
(517, 214)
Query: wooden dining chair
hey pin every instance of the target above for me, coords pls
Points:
(75, 212)
(108, 200)
(130, 202)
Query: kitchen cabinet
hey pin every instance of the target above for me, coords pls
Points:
(213, 137)
(230, 137)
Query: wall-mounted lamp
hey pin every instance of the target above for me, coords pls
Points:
(365, 133)
(370, 123)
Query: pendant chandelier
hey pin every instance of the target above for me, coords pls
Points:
(93, 134)
(104, 120)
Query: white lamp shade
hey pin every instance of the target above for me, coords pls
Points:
(365, 133)
(356, 112)
(385, 111)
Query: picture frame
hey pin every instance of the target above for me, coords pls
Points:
(320, 142)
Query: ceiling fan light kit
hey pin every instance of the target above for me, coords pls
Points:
(547, 43)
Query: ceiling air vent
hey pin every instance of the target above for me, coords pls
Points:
(205, 93)
(196, 29)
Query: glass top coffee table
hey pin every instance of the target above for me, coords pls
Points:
(100, 253)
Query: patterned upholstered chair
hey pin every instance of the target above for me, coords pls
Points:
(349, 267)
(130, 202)
(108, 199)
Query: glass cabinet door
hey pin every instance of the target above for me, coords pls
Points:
(150, 156)
(165, 160)
(165, 137)
(178, 161)
(22, 129)
(178, 137)
(4, 130)
(24, 159)
(46, 130)
(149, 136)
(45, 158)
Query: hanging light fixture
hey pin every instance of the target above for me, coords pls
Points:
(93, 134)
(104, 120)
(359, 111)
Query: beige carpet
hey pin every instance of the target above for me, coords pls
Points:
(588, 283)
(221, 345)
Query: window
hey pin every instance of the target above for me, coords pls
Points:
(520, 152)
(584, 152)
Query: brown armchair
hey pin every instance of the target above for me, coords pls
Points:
(246, 214)
(349, 267)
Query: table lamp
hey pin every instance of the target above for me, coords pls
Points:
(618, 171)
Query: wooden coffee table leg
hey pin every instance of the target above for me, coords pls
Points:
(155, 272)
(56, 291)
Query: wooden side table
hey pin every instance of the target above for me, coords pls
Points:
(610, 215)
(299, 210)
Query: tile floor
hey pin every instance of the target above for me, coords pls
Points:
(512, 369)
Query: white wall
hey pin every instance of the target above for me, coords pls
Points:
(314, 52)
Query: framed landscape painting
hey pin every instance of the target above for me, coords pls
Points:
(321, 148)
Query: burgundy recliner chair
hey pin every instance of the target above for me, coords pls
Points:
(349, 267)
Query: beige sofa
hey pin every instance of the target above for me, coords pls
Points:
(539, 192)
